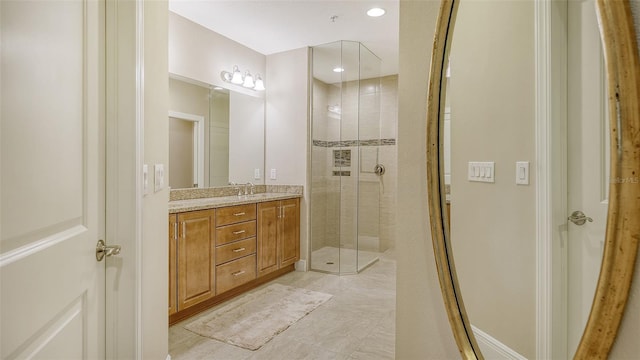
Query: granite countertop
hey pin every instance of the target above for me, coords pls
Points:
(202, 203)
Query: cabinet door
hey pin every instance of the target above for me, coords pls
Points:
(289, 232)
(172, 265)
(268, 216)
(196, 267)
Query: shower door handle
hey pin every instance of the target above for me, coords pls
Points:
(379, 169)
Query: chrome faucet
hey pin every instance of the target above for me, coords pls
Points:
(249, 184)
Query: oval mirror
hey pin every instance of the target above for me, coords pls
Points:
(479, 181)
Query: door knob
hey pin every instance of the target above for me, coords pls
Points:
(579, 218)
(379, 169)
(103, 250)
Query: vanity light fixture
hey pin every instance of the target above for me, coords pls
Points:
(338, 69)
(247, 81)
(376, 12)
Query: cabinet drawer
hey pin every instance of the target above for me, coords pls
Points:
(235, 273)
(235, 214)
(235, 250)
(230, 233)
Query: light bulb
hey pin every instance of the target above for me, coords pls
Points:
(236, 78)
(248, 80)
(259, 83)
(375, 12)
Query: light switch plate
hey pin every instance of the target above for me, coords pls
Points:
(158, 177)
(482, 171)
(273, 174)
(256, 174)
(522, 172)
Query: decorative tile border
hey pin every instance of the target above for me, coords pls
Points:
(352, 143)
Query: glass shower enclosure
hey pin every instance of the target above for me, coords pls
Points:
(345, 172)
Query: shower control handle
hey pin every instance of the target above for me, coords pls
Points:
(379, 169)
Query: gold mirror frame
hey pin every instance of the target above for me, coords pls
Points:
(623, 218)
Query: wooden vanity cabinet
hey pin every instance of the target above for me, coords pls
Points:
(194, 255)
(217, 254)
(278, 235)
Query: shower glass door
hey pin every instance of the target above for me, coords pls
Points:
(370, 179)
(344, 188)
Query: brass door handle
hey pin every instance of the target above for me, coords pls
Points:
(103, 250)
(579, 218)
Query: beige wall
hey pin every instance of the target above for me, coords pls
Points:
(198, 53)
(154, 280)
(422, 328)
(493, 231)
(286, 127)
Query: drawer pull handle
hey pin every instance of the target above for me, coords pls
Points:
(239, 214)
(238, 273)
(238, 250)
(239, 232)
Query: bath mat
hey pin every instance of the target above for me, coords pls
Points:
(255, 318)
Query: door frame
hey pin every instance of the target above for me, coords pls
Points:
(551, 178)
(124, 90)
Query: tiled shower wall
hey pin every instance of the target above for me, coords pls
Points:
(364, 114)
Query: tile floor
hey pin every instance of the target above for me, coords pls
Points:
(357, 323)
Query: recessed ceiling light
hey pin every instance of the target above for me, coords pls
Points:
(375, 12)
(338, 69)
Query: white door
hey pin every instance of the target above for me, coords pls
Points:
(52, 179)
(588, 163)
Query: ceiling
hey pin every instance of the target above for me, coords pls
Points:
(273, 26)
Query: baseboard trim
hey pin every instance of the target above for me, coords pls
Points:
(494, 349)
(301, 265)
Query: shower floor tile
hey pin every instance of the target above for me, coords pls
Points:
(335, 260)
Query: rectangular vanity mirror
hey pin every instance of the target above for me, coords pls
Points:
(216, 136)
